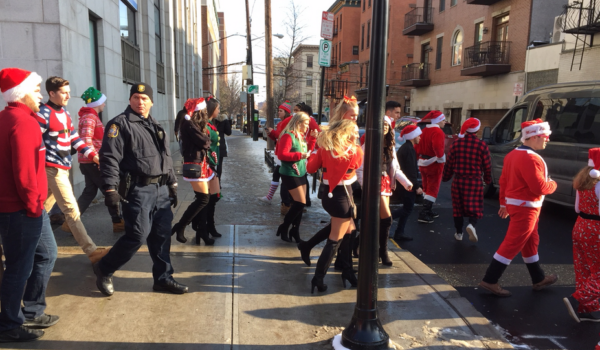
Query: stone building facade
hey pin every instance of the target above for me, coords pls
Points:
(306, 75)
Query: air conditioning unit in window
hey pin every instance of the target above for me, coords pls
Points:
(407, 109)
(557, 32)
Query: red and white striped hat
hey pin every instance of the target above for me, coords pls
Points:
(16, 83)
(533, 128)
(410, 132)
(470, 125)
(434, 117)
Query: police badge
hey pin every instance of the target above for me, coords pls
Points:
(113, 131)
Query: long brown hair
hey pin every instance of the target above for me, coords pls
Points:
(389, 145)
(583, 181)
(200, 118)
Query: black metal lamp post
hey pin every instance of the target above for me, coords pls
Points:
(365, 330)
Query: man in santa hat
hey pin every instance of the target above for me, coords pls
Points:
(468, 158)
(29, 245)
(523, 184)
(431, 159)
(407, 157)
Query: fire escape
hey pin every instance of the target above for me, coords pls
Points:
(581, 19)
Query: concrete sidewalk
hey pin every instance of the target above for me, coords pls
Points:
(250, 290)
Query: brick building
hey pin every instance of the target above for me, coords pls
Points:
(466, 60)
(223, 44)
(211, 51)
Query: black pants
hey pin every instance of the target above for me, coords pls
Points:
(93, 183)
(408, 203)
(459, 223)
(148, 218)
(220, 167)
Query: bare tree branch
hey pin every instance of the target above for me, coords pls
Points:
(230, 95)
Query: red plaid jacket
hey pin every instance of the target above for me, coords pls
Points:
(469, 157)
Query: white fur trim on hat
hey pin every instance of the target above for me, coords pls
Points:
(187, 117)
(591, 163)
(200, 106)
(100, 101)
(438, 119)
(26, 86)
(535, 130)
(388, 120)
(413, 134)
(594, 173)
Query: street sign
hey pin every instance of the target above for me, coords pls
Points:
(325, 53)
(326, 109)
(518, 90)
(253, 89)
(327, 25)
(243, 97)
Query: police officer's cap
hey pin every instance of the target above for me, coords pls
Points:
(141, 88)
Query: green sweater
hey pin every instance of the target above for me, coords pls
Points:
(213, 156)
(287, 168)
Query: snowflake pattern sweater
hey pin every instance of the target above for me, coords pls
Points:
(59, 136)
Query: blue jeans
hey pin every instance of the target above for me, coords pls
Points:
(147, 217)
(30, 251)
(408, 203)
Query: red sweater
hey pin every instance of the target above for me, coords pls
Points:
(338, 169)
(91, 132)
(22, 161)
(285, 146)
(524, 181)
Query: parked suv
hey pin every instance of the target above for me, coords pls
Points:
(573, 112)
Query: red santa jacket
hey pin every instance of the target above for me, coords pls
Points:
(337, 170)
(524, 181)
(431, 147)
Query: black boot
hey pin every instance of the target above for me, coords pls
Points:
(210, 216)
(295, 210)
(384, 233)
(201, 233)
(355, 243)
(339, 265)
(295, 230)
(306, 246)
(323, 265)
(189, 214)
(345, 260)
(425, 214)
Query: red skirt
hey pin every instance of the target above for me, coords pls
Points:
(386, 186)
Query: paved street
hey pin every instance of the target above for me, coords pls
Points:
(538, 319)
(248, 291)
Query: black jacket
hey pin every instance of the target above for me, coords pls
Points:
(195, 143)
(136, 145)
(407, 157)
(224, 128)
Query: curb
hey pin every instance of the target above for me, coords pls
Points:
(479, 325)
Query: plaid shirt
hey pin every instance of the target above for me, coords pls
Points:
(469, 158)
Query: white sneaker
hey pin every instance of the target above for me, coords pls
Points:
(458, 236)
(472, 233)
(264, 199)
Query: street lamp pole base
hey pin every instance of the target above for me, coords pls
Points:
(337, 344)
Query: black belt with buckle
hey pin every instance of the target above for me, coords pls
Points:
(148, 180)
(589, 216)
(425, 156)
(349, 171)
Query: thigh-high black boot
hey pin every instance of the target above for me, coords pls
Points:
(323, 265)
(295, 210)
(306, 246)
(384, 234)
(189, 214)
(210, 215)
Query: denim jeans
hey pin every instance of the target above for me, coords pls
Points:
(30, 251)
(93, 183)
(408, 203)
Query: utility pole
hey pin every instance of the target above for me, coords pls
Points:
(322, 82)
(365, 330)
(250, 104)
(269, 69)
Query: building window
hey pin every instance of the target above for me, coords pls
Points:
(361, 76)
(438, 53)
(368, 33)
(340, 21)
(442, 5)
(457, 42)
(478, 33)
(367, 73)
(339, 60)
(364, 3)
(94, 53)
(309, 79)
(160, 68)
(309, 61)
(175, 63)
(355, 50)
(130, 53)
(362, 38)
(369, 3)
(308, 99)
(453, 3)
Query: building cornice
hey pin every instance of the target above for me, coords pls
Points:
(343, 3)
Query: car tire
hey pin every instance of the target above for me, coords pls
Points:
(489, 190)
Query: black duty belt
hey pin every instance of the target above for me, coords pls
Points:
(148, 180)
(424, 156)
(349, 171)
(589, 216)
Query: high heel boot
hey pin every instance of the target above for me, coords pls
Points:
(189, 214)
(295, 230)
(345, 259)
(384, 233)
(201, 232)
(306, 246)
(323, 265)
(210, 216)
(295, 210)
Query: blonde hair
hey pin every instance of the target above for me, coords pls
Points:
(295, 123)
(342, 109)
(583, 181)
(336, 138)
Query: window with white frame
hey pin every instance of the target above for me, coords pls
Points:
(309, 79)
(457, 41)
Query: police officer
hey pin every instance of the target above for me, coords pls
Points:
(136, 165)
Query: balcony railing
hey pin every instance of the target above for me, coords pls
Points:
(482, 2)
(418, 21)
(580, 19)
(336, 89)
(487, 58)
(415, 74)
(335, 32)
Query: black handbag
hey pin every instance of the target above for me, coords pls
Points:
(192, 171)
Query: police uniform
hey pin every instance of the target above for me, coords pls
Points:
(139, 147)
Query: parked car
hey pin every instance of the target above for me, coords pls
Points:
(261, 125)
(573, 112)
(264, 131)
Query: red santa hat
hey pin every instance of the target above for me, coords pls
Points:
(410, 132)
(470, 125)
(594, 161)
(15, 83)
(434, 117)
(193, 105)
(533, 128)
(388, 120)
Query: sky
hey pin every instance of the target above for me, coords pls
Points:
(235, 22)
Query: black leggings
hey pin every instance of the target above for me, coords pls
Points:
(459, 222)
(276, 174)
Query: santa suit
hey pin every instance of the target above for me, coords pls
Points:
(523, 184)
(431, 159)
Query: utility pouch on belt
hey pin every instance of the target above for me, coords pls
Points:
(192, 171)
(125, 185)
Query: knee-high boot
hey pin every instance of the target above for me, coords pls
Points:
(345, 260)
(200, 223)
(210, 215)
(295, 230)
(323, 265)
(190, 213)
(295, 210)
(384, 233)
(306, 246)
